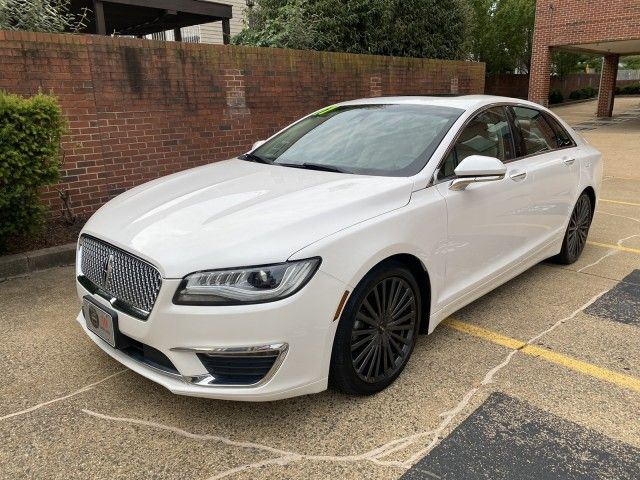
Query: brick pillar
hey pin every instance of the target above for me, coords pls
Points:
(234, 86)
(375, 86)
(540, 75)
(607, 85)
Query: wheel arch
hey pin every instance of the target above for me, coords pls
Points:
(420, 273)
(591, 193)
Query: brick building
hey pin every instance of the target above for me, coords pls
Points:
(609, 28)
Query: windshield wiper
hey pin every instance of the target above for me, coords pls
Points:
(314, 166)
(252, 157)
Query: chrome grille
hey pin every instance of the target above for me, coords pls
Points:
(125, 277)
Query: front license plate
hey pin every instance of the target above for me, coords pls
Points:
(99, 321)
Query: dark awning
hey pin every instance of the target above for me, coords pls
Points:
(142, 17)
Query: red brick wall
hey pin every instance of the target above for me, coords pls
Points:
(570, 22)
(139, 109)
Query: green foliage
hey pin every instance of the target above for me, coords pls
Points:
(555, 96)
(502, 34)
(51, 16)
(631, 89)
(631, 62)
(583, 93)
(30, 132)
(412, 28)
(565, 63)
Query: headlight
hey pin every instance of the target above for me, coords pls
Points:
(265, 283)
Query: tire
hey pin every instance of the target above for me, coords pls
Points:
(575, 237)
(377, 331)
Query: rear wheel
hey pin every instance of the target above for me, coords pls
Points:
(575, 237)
(377, 331)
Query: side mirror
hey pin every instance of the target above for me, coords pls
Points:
(475, 169)
(257, 144)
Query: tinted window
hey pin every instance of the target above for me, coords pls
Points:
(486, 134)
(563, 139)
(536, 133)
(391, 140)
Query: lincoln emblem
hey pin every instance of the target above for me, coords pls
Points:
(107, 270)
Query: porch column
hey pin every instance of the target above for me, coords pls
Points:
(226, 31)
(607, 85)
(540, 74)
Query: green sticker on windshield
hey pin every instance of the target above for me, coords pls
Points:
(325, 110)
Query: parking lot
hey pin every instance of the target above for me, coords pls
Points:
(538, 379)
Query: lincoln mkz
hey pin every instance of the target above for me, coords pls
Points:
(318, 257)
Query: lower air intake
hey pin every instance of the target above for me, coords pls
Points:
(241, 368)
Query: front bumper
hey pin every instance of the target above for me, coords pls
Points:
(302, 322)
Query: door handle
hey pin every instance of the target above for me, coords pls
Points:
(569, 161)
(518, 175)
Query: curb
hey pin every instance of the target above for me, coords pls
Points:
(24, 263)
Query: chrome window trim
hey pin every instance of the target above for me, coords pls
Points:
(434, 178)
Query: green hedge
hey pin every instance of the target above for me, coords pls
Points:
(631, 89)
(555, 96)
(30, 131)
(581, 94)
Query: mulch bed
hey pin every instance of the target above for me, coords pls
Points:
(56, 231)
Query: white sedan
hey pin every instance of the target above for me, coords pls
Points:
(318, 257)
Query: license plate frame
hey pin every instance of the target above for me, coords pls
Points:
(100, 320)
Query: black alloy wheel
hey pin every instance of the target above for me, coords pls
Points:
(382, 335)
(577, 231)
(377, 331)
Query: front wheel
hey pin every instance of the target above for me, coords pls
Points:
(377, 331)
(575, 237)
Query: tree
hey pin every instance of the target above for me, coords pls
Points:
(502, 34)
(414, 28)
(631, 63)
(51, 16)
(569, 62)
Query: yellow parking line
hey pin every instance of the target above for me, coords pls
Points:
(476, 331)
(585, 368)
(614, 247)
(619, 202)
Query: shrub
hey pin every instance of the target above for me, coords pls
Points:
(555, 96)
(583, 93)
(574, 95)
(632, 89)
(30, 131)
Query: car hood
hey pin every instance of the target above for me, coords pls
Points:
(239, 213)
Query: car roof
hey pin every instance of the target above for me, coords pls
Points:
(465, 102)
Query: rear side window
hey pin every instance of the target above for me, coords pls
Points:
(535, 132)
(563, 139)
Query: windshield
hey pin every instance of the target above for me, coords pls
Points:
(389, 140)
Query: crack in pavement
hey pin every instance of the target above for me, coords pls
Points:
(284, 456)
(86, 388)
(610, 253)
(376, 455)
